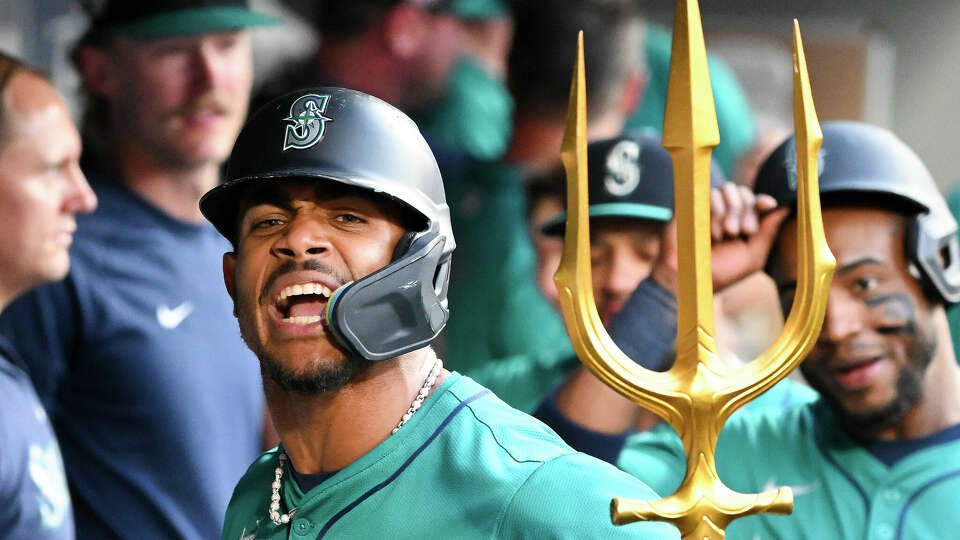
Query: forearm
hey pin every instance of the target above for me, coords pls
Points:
(584, 410)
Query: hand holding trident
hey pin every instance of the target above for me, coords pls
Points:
(697, 395)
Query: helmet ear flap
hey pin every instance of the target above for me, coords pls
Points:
(396, 309)
(403, 245)
(937, 254)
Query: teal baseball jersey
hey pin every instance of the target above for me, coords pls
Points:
(465, 466)
(502, 332)
(902, 490)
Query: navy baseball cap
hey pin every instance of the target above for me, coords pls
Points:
(630, 176)
(155, 19)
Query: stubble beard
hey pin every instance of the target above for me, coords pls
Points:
(909, 390)
(320, 374)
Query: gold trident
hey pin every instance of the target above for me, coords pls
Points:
(698, 394)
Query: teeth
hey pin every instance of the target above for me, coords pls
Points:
(302, 288)
(303, 320)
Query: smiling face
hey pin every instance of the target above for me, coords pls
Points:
(41, 186)
(877, 338)
(298, 241)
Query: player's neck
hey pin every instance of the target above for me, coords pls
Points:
(327, 432)
(175, 190)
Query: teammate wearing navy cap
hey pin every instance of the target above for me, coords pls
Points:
(631, 203)
(877, 456)
(342, 248)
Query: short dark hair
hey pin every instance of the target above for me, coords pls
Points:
(544, 50)
(10, 67)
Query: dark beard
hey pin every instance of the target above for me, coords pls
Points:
(864, 426)
(314, 380)
(318, 377)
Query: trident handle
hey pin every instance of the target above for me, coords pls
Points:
(696, 397)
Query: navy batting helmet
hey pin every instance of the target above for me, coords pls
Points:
(345, 136)
(859, 159)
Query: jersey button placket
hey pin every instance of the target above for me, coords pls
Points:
(884, 531)
(301, 527)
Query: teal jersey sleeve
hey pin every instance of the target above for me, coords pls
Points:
(524, 380)
(840, 488)
(569, 497)
(475, 115)
(502, 331)
(656, 457)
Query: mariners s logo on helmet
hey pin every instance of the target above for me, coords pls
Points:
(623, 168)
(308, 122)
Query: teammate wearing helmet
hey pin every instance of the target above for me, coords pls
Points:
(631, 206)
(878, 456)
(342, 244)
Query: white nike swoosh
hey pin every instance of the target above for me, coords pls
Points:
(171, 318)
(771, 485)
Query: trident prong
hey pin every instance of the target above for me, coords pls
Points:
(694, 396)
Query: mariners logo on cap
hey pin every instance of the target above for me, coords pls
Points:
(623, 168)
(308, 122)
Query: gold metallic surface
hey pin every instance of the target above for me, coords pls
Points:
(697, 395)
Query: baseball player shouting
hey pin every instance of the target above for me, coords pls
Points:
(342, 248)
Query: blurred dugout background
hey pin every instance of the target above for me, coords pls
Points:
(889, 62)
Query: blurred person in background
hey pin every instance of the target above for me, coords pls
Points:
(631, 204)
(154, 398)
(41, 192)
(440, 61)
(734, 115)
(504, 332)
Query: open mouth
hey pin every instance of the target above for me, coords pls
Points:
(303, 303)
(859, 374)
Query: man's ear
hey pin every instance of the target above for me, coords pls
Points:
(230, 277)
(98, 71)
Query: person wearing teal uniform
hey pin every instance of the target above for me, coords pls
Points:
(342, 246)
(878, 455)
(475, 113)
(502, 330)
(734, 115)
(631, 203)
